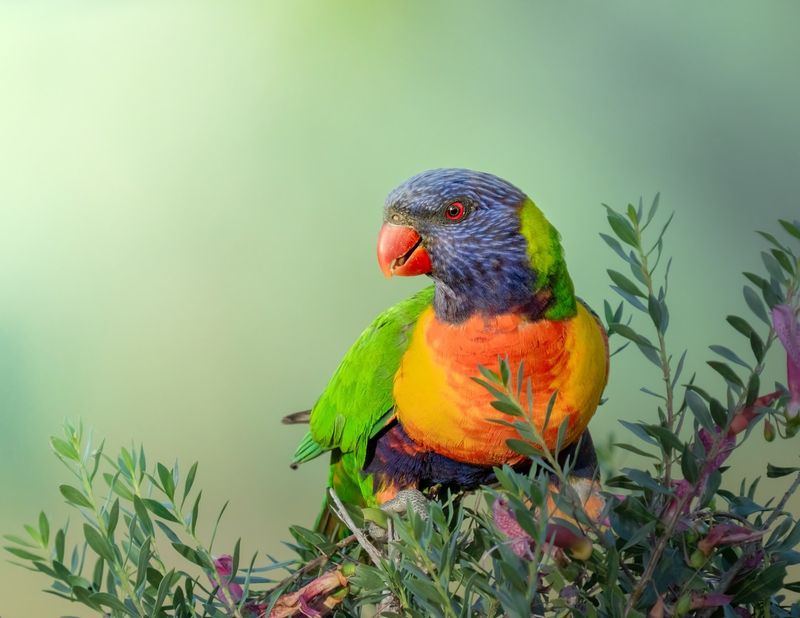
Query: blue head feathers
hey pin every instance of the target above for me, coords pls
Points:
(470, 225)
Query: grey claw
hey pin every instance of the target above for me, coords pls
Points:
(405, 499)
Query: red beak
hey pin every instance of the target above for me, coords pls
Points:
(400, 251)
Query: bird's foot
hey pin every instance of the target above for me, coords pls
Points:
(378, 524)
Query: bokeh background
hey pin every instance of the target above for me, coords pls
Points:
(190, 194)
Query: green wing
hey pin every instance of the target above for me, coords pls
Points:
(358, 399)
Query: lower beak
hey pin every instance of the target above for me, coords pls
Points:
(400, 251)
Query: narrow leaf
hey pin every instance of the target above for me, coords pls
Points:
(74, 496)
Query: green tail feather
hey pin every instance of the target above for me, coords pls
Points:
(329, 524)
(307, 450)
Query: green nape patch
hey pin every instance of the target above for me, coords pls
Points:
(547, 259)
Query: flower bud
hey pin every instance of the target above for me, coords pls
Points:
(683, 605)
(769, 431)
(697, 559)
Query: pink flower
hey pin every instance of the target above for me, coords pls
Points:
(224, 567)
(787, 327)
(712, 599)
(728, 534)
(559, 534)
(519, 540)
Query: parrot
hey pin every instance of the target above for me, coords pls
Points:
(402, 410)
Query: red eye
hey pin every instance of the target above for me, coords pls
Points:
(455, 211)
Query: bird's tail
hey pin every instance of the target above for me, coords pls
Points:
(298, 418)
(329, 524)
(350, 494)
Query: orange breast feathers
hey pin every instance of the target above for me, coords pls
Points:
(442, 408)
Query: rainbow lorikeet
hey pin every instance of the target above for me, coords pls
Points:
(402, 410)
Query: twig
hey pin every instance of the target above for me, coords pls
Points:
(727, 579)
(784, 499)
(341, 513)
(310, 566)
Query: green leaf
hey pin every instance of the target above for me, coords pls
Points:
(753, 385)
(216, 524)
(65, 449)
(145, 523)
(98, 543)
(73, 496)
(757, 280)
(638, 451)
(113, 517)
(629, 333)
(772, 240)
(718, 412)
(118, 486)
(167, 481)
(638, 430)
(642, 532)
(689, 465)
(192, 556)
(196, 510)
(59, 544)
(491, 388)
(615, 246)
(96, 455)
(710, 489)
(783, 260)
(97, 574)
(757, 345)
(489, 375)
(523, 448)
(740, 325)
(625, 284)
(21, 553)
(142, 563)
(728, 354)
(235, 559)
(163, 590)
(20, 541)
(630, 298)
(664, 230)
(699, 409)
(622, 228)
(791, 228)
(632, 213)
(34, 534)
(656, 309)
(507, 408)
(726, 372)
(125, 462)
(761, 586)
(44, 529)
(103, 598)
(775, 472)
(755, 303)
(159, 509)
(773, 267)
(645, 481)
(189, 482)
(665, 437)
(652, 211)
(505, 374)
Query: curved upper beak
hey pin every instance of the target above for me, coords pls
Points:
(400, 251)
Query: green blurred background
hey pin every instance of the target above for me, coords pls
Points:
(190, 195)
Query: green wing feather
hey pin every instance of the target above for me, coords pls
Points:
(358, 400)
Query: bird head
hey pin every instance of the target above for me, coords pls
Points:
(488, 248)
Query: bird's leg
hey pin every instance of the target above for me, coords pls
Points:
(583, 477)
(404, 500)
